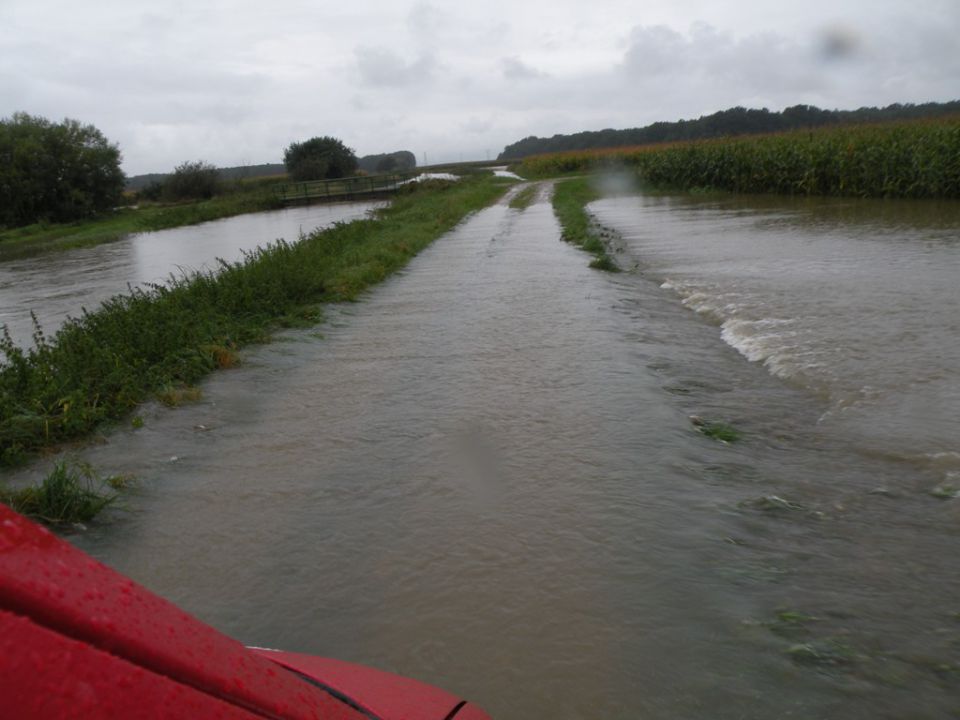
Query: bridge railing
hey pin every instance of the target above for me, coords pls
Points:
(342, 187)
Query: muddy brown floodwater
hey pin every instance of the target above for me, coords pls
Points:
(59, 284)
(484, 474)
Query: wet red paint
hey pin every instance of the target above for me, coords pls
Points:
(384, 694)
(78, 639)
(47, 675)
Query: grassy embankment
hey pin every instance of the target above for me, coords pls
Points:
(163, 339)
(570, 198)
(247, 196)
(919, 159)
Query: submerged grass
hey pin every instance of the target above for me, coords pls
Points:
(717, 430)
(71, 493)
(103, 363)
(916, 159)
(524, 198)
(570, 198)
(41, 237)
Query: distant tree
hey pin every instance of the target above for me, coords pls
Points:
(319, 158)
(55, 171)
(192, 181)
(151, 191)
(398, 161)
(387, 164)
(734, 121)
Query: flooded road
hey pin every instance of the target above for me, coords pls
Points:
(484, 475)
(55, 285)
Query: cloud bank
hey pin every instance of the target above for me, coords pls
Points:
(236, 82)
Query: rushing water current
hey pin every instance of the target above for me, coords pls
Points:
(856, 301)
(56, 285)
(484, 474)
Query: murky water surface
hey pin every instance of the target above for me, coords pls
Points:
(55, 285)
(484, 474)
(857, 302)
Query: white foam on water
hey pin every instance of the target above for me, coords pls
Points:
(430, 176)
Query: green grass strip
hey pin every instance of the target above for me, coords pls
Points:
(102, 364)
(523, 199)
(570, 198)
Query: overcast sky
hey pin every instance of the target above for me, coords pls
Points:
(234, 82)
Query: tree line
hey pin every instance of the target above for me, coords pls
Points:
(725, 123)
(69, 171)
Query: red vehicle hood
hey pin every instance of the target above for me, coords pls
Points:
(80, 640)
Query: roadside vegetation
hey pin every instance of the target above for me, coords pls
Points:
(570, 198)
(916, 159)
(160, 339)
(71, 493)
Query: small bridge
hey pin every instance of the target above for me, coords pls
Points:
(351, 188)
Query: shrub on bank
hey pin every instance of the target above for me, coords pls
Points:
(191, 181)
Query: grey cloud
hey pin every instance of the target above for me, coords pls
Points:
(384, 68)
(425, 19)
(225, 80)
(655, 50)
(515, 69)
(477, 126)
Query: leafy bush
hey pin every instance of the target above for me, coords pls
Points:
(55, 172)
(192, 181)
(319, 158)
(150, 191)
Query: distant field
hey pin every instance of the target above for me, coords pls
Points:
(918, 159)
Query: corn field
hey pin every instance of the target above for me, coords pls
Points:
(910, 160)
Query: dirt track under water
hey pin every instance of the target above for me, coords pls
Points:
(483, 475)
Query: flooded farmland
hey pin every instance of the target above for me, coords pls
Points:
(485, 474)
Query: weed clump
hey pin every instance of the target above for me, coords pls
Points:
(946, 491)
(716, 430)
(177, 395)
(71, 493)
(604, 262)
(791, 624)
